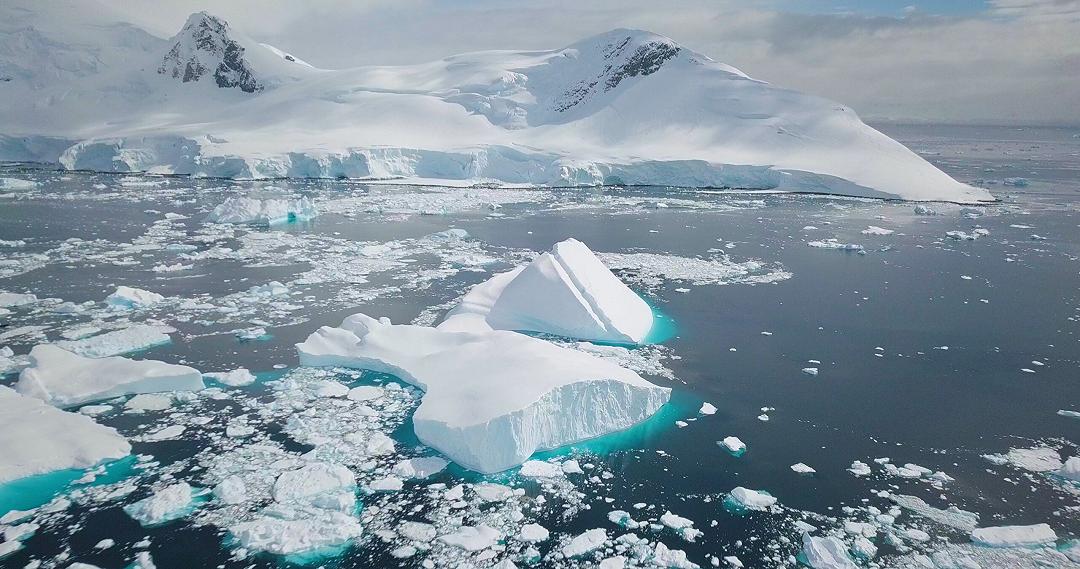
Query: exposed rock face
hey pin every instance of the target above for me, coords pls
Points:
(203, 48)
(625, 53)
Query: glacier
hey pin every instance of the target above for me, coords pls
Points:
(89, 90)
(64, 379)
(493, 398)
(565, 292)
(38, 438)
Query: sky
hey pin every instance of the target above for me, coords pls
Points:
(981, 61)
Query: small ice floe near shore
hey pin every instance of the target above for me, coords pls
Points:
(262, 212)
(565, 292)
(128, 298)
(65, 379)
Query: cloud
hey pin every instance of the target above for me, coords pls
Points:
(1014, 61)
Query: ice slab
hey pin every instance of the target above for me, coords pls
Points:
(826, 553)
(64, 379)
(125, 341)
(1014, 536)
(167, 504)
(566, 292)
(37, 438)
(265, 212)
(127, 297)
(491, 399)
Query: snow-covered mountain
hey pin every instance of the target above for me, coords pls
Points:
(623, 107)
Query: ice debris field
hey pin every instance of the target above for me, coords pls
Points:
(331, 373)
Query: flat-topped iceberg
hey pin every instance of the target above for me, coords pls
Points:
(494, 398)
(566, 292)
(127, 297)
(64, 379)
(37, 438)
(1014, 536)
(264, 212)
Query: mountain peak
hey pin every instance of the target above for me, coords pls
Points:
(205, 47)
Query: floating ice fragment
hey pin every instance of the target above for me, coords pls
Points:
(129, 298)
(37, 438)
(9, 299)
(707, 409)
(859, 468)
(800, 468)
(751, 499)
(875, 230)
(491, 399)
(1014, 536)
(424, 467)
(813, 371)
(265, 212)
(826, 553)
(566, 292)
(584, 543)
(532, 533)
(834, 244)
(540, 469)
(733, 445)
(472, 538)
(132, 339)
(64, 379)
(236, 378)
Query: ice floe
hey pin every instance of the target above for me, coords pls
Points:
(37, 438)
(127, 297)
(1014, 536)
(565, 292)
(265, 211)
(494, 398)
(65, 379)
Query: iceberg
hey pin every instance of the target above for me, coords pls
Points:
(263, 212)
(826, 553)
(128, 298)
(125, 341)
(493, 398)
(38, 438)
(565, 292)
(1014, 536)
(164, 505)
(747, 499)
(65, 379)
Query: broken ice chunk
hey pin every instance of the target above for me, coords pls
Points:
(566, 292)
(64, 379)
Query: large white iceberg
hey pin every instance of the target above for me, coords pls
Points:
(37, 438)
(491, 399)
(1014, 536)
(566, 292)
(265, 212)
(64, 379)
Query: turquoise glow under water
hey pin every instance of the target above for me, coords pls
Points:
(663, 328)
(34, 491)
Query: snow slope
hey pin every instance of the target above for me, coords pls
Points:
(494, 398)
(624, 107)
(37, 438)
(566, 292)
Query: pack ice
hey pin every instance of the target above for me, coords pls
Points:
(64, 379)
(491, 398)
(566, 292)
(37, 438)
(95, 91)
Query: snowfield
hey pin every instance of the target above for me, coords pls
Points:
(91, 92)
